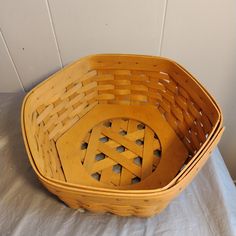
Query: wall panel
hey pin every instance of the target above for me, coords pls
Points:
(27, 29)
(201, 35)
(107, 26)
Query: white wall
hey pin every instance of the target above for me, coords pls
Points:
(39, 37)
(201, 35)
(86, 26)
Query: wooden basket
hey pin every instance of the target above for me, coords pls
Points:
(119, 133)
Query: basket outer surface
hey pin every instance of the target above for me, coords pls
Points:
(53, 107)
(143, 205)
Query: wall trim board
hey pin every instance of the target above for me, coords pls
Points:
(54, 32)
(11, 59)
(163, 27)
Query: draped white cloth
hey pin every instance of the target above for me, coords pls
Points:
(206, 207)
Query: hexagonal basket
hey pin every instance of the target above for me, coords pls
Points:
(119, 133)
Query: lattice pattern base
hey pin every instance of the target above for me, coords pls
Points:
(121, 146)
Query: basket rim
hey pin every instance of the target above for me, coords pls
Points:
(216, 128)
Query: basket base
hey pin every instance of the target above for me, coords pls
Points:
(144, 211)
(121, 146)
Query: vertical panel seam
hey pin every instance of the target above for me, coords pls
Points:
(11, 59)
(163, 27)
(54, 32)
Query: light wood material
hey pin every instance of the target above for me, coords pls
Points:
(151, 91)
(78, 168)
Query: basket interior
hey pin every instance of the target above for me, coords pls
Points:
(136, 151)
(57, 105)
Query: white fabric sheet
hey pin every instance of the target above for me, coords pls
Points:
(206, 207)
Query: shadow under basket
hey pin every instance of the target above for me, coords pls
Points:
(119, 133)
